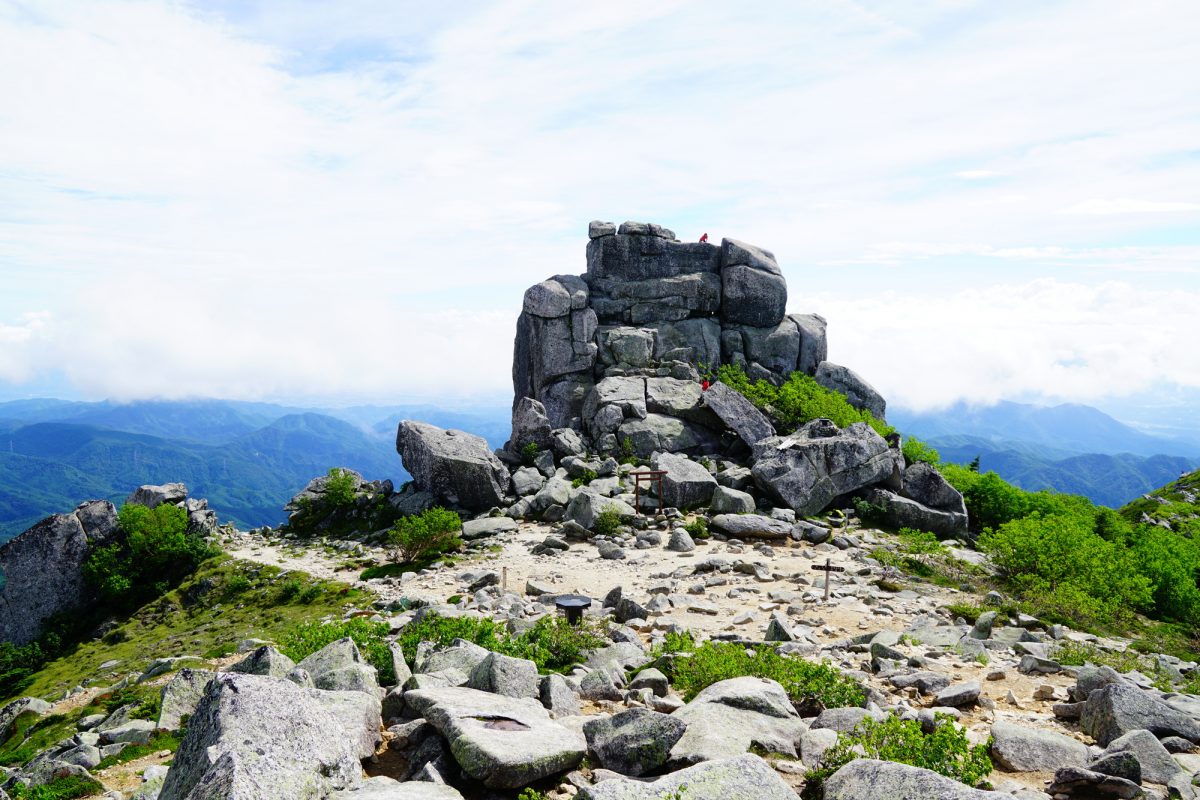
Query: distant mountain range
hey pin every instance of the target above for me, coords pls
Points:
(1068, 448)
(248, 459)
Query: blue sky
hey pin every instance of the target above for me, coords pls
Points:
(344, 202)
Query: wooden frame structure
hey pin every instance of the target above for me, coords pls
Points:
(650, 478)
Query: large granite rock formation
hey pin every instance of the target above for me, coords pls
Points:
(616, 353)
(456, 467)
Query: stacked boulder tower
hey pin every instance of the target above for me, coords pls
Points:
(621, 363)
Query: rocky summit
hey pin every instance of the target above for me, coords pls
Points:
(620, 363)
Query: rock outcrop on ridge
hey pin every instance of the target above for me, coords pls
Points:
(43, 567)
(618, 363)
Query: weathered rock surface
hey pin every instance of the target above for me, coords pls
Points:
(456, 467)
(253, 736)
(751, 525)
(726, 718)
(1117, 709)
(265, 660)
(861, 394)
(819, 462)
(687, 484)
(504, 742)
(635, 741)
(181, 695)
(1017, 748)
(868, 779)
(745, 777)
(384, 788)
(339, 666)
(738, 414)
(43, 568)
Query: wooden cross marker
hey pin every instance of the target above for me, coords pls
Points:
(826, 568)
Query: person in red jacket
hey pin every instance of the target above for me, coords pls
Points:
(704, 237)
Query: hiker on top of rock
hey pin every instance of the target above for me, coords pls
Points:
(704, 237)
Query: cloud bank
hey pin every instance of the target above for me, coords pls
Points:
(300, 200)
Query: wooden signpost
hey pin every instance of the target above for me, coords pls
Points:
(827, 569)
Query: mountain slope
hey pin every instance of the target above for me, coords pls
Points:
(52, 466)
(1109, 480)
(1176, 505)
(1072, 427)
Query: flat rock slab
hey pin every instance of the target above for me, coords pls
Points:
(254, 736)
(1017, 748)
(382, 788)
(746, 777)
(729, 717)
(867, 779)
(751, 525)
(505, 742)
(488, 526)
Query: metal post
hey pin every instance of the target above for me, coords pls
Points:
(828, 573)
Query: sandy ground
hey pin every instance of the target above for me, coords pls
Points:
(724, 597)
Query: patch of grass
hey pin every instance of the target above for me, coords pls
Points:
(193, 619)
(552, 643)
(586, 478)
(810, 685)
(919, 554)
(308, 637)
(66, 788)
(33, 734)
(968, 611)
(697, 528)
(946, 751)
(161, 740)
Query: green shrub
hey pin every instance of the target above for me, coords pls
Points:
(425, 536)
(872, 514)
(810, 685)
(1059, 565)
(236, 585)
(698, 528)
(946, 751)
(529, 453)
(916, 450)
(552, 643)
(628, 454)
(676, 642)
(556, 645)
(441, 631)
(992, 501)
(586, 478)
(157, 553)
(799, 400)
(289, 589)
(607, 522)
(339, 488)
(309, 637)
(66, 788)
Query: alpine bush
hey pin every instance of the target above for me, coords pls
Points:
(607, 522)
(371, 638)
(946, 751)
(156, 553)
(425, 535)
(339, 488)
(810, 685)
(553, 644)
(799, 400)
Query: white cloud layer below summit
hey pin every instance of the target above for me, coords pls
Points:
(298, 199)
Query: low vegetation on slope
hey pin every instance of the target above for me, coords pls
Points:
(223, 603)
(798, 400)
(1068, 560)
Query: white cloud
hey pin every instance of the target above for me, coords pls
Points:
(1128, 205)
(1045, 339)
(204, 197)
